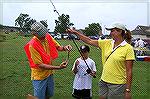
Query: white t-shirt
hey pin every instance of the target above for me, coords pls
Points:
(141, 43)
(136, 43)
(83, 80)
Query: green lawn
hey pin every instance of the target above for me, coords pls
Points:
(15, 80)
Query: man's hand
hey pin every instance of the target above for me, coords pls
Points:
(63, 64)
(68, 47)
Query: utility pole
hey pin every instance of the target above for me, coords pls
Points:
(148, 12)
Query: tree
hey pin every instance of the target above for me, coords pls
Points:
(44, 22)
(24, 22)
(92, 29)
(62, 23)
(1, 26)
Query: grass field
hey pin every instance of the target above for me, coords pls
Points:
(15, 80)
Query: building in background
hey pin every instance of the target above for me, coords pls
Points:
(142, 32)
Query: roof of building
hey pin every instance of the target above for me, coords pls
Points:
(141, 30)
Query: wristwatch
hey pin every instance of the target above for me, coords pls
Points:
(127, 90)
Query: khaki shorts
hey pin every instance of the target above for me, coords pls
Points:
(111, 91)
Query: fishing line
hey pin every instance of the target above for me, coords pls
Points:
(71, 36)
(54, 8)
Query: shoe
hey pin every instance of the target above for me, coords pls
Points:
(31, 97)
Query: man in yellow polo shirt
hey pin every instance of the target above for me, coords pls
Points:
(41, 50)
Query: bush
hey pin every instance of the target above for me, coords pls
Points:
(2, 37)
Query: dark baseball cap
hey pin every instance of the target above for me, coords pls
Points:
(84, 48)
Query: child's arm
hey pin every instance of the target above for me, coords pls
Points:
(75, 69)
(93, 72)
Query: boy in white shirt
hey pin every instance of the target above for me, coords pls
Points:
(82, 84)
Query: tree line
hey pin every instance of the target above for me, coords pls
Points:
(24, 21)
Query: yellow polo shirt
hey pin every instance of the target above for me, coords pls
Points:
(39, 73)
(114, 69)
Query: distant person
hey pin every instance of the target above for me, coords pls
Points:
(41, 50)
(82, 85)
(117, 59)
(141, 45)
(136, 45)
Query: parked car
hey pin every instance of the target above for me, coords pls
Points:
(94, 37)
(65, 36)
(52, 34)
(57, 36)
(73, 36)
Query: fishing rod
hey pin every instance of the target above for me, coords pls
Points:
(88, 70)
(71, 36)
(55, 10)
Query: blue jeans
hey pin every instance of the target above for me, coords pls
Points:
(44, 88)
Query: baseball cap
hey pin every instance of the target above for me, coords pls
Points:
(84, 48)
(116, 25)
(39, 29)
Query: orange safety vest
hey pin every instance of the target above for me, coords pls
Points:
(37, 46)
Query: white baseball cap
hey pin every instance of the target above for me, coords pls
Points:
(116, 25)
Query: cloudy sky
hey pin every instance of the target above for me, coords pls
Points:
(81, 13)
